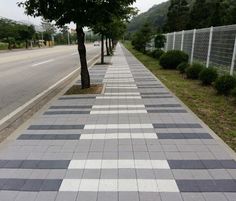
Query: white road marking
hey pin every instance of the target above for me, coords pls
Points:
(44, 62)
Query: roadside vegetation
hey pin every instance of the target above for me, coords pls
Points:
(210, 96)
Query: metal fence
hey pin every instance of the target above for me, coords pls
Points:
(214, 46)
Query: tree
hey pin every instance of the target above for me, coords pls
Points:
(178, 15)
(160, 41)
(26, 33)
(81, 12)
(142, 37)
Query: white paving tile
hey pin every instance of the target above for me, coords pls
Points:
(119, 112)
(127, 185)
(107, 185)
(89, 185)
(167, 186)
(116, 126)
(147, 185)
(70, 185)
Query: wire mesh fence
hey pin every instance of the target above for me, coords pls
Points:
(214, 46)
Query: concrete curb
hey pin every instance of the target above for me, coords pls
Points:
(13, 120)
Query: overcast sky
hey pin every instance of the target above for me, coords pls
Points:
(9, 9)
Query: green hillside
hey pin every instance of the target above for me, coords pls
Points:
(156, 17)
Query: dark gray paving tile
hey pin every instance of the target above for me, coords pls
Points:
(182, 125)
(65, 112)
(163, 105)
(154, 93)
(202, 164)
(166, 111)
(55, 127)
(186, 164)
(51, 185)
(72, 107)
(13, 164)
(154, 97)
(75, 98)
(32, 185)
(13, 184)
(49, 137)
(184, 136)
(206, 185)
(53, 164)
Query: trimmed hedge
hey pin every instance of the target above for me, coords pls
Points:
(225, 84)
(171, 59)
(208, 75)
(193, 71)
(182, 67)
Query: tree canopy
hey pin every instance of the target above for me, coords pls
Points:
(83, 13)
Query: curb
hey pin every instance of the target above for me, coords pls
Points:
(13, 120)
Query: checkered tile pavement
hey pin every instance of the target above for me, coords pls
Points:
(134, 142)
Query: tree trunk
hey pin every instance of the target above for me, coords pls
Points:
(85, 78)
(102, 49)
(110, 47)
(107, 48)
(26, 44)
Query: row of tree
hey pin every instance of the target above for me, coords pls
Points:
(104, 17)
(183, 14)
(14, 33)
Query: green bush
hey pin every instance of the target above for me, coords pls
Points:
(208, 75)
(157, 53)
(182, 67)
(225, 84)
(171, 59)
(193, 71)
(233, 92)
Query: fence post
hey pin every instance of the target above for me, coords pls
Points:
(233, 59)
(193, 45)
(173, 40)
(209, 47)
(182, 41)
(167, 41)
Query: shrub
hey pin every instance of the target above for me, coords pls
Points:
(157, 53)
(225, 84)
(233, 92)
(208, 75)
(171, 59)
(193, 71)
(182, 67)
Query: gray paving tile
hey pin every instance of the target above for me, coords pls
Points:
(87, 196)
(107, 196)
(166, 111)
(125, 196)
(66, 196)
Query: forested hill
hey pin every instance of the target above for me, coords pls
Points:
(200, 13)
(156, 17)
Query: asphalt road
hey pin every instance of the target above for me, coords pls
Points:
(25, 74)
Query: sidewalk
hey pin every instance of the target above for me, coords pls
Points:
(135, 142)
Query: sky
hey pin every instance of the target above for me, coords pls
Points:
(9, 9)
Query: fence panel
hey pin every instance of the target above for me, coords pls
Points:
(178, 40)
(220, 50)
(201, 45)
(223, 47)
(187, 44)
